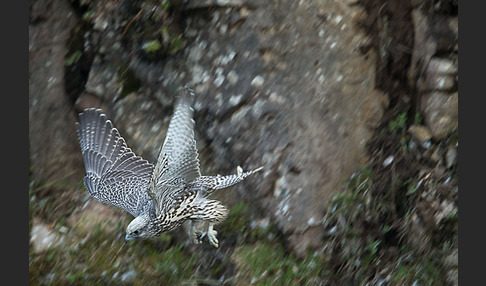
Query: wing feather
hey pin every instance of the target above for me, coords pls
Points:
(177, 162)
(178, 156)
(106, 137)
(114, 174)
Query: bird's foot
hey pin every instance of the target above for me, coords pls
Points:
(212, 236)
(197, 236)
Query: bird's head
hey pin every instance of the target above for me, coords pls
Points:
(138, 228)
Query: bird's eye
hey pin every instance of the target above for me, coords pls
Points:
(136, 232)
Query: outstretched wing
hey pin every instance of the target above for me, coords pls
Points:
(208, 184)
(177, 163)
(178, 156)
(114, 174)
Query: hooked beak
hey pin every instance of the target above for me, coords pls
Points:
(129, 238)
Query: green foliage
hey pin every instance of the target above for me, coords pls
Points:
(421, 272)
(152, 46)
(175, 264)
(175, 44)
(357, 195)
(87, 16)
(411, 188)
(398, 124)
(71, 277)
(366, 223)
(237, 219)
(269, 264)
(165, 5)
(371, 251)
(418, 119)
(73, 59)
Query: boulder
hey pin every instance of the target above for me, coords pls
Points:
(441, 113)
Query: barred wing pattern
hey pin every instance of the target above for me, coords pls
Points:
(208, 184)
(178, 162)
(114, 174)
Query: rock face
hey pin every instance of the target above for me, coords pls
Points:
(286, 89)
(434, 66)
(295, 99)
(53, 144)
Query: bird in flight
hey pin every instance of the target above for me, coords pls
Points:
(160, 197)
